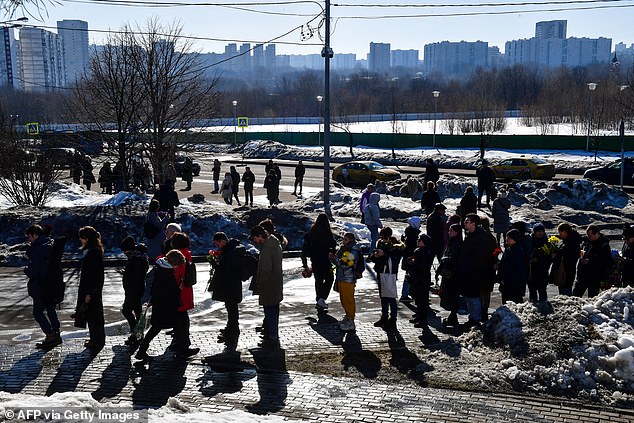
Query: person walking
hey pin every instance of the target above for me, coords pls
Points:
(512, 269)
(226, 285)
(474, 260)
(564, 268)
(347, 261)
(627, 252)
(154, 230)
(75, 167)
(272, 185)
(486, 179)
(86, 172)
(319, 244)
(270, 283)
(226, 189)
(501, 216)
(40, 286)
(449, 270)
(167, 198)
(90, 291)
(300, 170)
(539, 264)
(594, 265)
(431, 173)
(436, 229)
(430, 198)
(188, 173)
(386, 257)
(106, 178)
(410, 239)
(365, 199)
(133, 280)
(469, 202)
(372, 219)
(248, 179)
(235, 184)
(215, 170)
(420, 267)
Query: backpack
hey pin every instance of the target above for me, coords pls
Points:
(249, 266)
(359, 266)
(190, 274)
(149, 230)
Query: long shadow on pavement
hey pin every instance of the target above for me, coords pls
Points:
(115, 377)
(366, 362)
(70, 371)
(326, 326)
(22, 372)
(164, 378)
(226, 374)
(272, 378)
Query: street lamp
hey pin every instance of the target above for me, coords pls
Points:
(591, 86)
(235, 120)
(436, 94)
(319, 100)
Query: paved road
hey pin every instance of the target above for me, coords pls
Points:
(258, 381)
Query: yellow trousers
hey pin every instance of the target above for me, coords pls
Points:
(346, 295)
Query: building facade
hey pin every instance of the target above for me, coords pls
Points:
(455, 58)
(9, 59)
(42, 60)
(73, 35)
(379, 57)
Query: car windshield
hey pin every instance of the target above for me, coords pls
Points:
(376, 166)
(539, 161)
(615, 164)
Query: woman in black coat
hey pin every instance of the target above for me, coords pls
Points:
(319, 243)
(567, 256)
(448, 270)
(512, 272)
(91, 281)
(539, 265)
(272, 185)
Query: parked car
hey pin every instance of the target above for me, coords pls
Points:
(363, 172)
(179, 161)
(59, 157)
(611, 173)
(524, 169)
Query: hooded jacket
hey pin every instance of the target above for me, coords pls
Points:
(372, 213)
(134, 273)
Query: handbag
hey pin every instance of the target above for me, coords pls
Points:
(388, 282)
(559, 276)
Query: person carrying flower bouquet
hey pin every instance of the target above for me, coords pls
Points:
(386, 256)
(347, 261)
(540, 263)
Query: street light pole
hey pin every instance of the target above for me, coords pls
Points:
(235, 120)
(327, 54)
(591, 86)
(436, 94)
(319, 100)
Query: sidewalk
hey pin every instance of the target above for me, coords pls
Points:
(359, 384)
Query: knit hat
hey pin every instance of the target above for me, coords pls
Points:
(539, 227)
(128, 243)
(514, 234)
(414, 222)
(426, 239)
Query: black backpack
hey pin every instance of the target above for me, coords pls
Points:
(359, 266)
(249, 266)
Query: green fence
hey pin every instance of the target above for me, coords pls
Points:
(512, 142)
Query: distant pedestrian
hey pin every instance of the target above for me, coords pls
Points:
(154, 230)
(431, 172)
(106, 178)
(594, 265)
(430, 198)
(300, 170)
(75, 167)
(564, 268)
(512, 271)
(188, 173)
(248, 179)
(86, 172)
(90, 292)
(469, 202)
(272, 185)
(133, 280)
(449, 271)
(347, 260)
(319, 244)
(473, 263)
(235, 184)
(420, 269)
(216, 175)
(167, 198)
(364, 200)
(226, 189)
(40, 286)
(501, 216)
(270, 283)
(486, 179)
(386, 257)
(488, 278)
(410, 239)
(372, 216)
(435, 229)
(539, 264)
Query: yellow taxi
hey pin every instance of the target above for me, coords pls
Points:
(363, 172)
(524, 169)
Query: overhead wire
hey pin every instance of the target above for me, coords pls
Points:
(446, 5)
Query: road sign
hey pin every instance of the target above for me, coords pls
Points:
(243, 122)
(33, 128)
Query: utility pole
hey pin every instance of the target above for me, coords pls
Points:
(327, 54)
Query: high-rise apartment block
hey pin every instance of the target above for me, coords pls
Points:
(42, 60)
(379, 57)
(73, 35)
(404, 58)
(551, 29)
(8, 59)
(455, 58)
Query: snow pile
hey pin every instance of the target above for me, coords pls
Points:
(570, 346)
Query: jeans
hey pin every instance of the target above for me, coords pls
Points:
(232, 317)
(374, 236)
(298, 181)
(405, 288)
(131, 310)
(50, 324)
(216, 185)
(474, 308)
(323, 283)
(248, 195)
(272, 322)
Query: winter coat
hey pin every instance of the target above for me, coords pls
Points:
(501, 217)
(248, 178)
(568, 255)
(429, 200)
(106, 176)
(540, 262)
(226, 189)
(486, 177)
(627, 252)
(488, 279)
(364, 200)
(512, 272)
(393, 251)
(235, 181)
(168, 199)
(216, 170)
(599, 261)
(272, 184)
(185, 278)
(165, 295)
(91, 279)
(269, 275)
(372, 212)
(86, 170)
(39, 254)
(435, 230)
(134, 273)
(431, 173)
(346, 272)
(188, 170)
(226, 285)
(154, 244)
(449, 270)
(473, 263)
(317, 247)
(469, 203)
(300, 170)
(409, 238)
(420, 269)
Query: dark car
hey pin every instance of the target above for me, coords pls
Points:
(59, 157)
(179, 162)
(611, 173)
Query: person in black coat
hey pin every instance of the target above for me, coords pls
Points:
(627, 252)
(512, 271)
(248, 178)
(566, 257)
(300, 170)
(420, 269)
(431, 171)
(164, 300)
(469, 202)
(167, 198)
(448, 269)
(319, 243)
(216, 175)
(436, 229)
(39, 254)
(226, 285)
(486, 179)
(235, 183)
(430, 198)
(272, 185)
(539, 264)
(473, 266)
(133, 282)
(595, 263)
(410, 239)
(90, 292)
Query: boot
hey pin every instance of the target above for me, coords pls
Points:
(391, 324)
(46, 342)
(381, 323)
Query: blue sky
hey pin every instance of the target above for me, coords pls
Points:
(349, 33)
